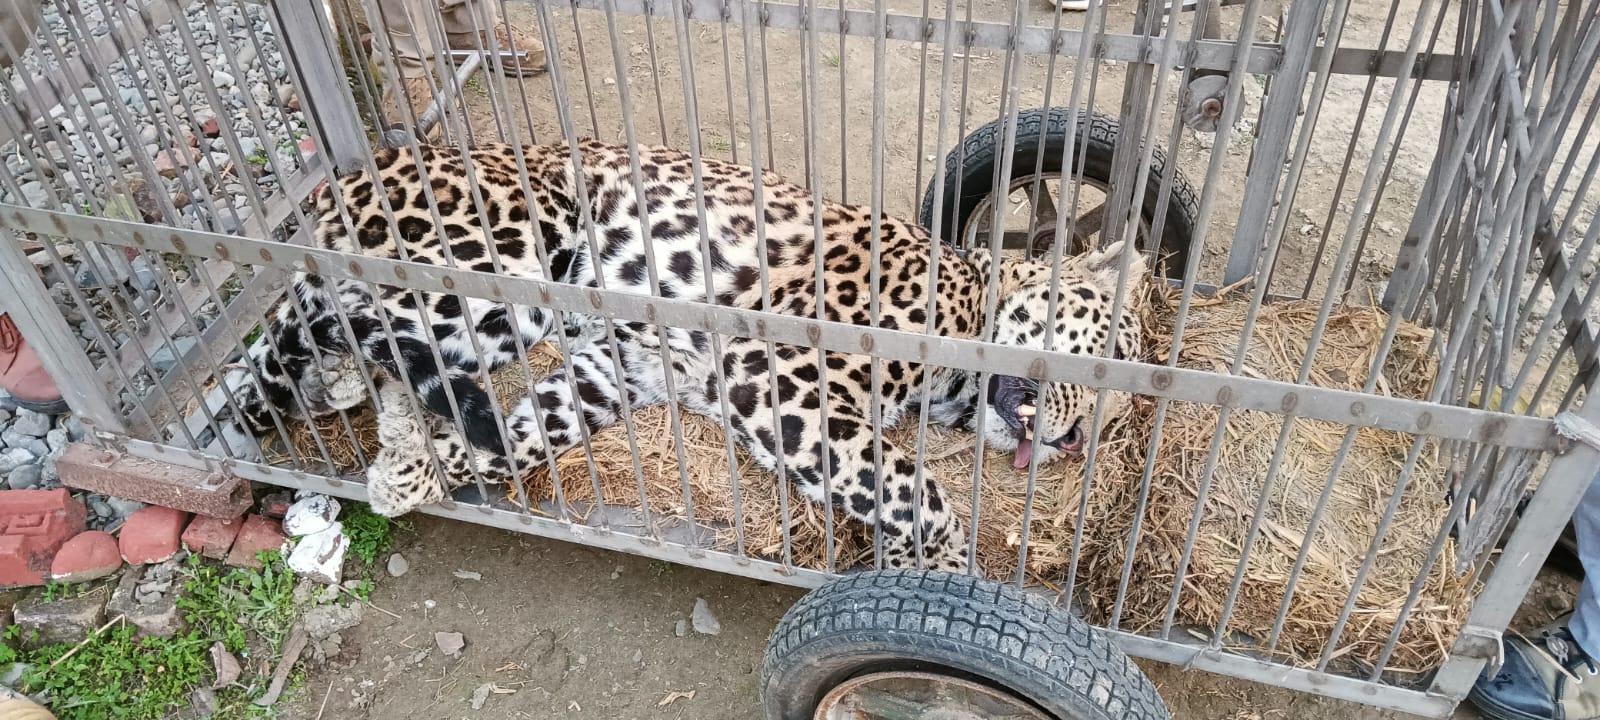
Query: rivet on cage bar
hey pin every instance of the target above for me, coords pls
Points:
(99, 232)
(448, 282)
(139, 239)
(1424, 420)
(266, 255)
(866, 343)
(59, 223)
(1100, 370)
(650, 312)
(222, 251)
(1160, 379)
(595, 299)
(180, 245)
(1358, 408)
(311, 264)
(1289, 402)
(1224, 395)
(355, 269)
(400, 272)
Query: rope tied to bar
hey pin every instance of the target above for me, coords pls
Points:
(1572, 427)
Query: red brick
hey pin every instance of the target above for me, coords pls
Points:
(308, 146)
(210, 128)
(211, 537)
(88, 556)
(151, 534)
(258, 534)
(33, 525)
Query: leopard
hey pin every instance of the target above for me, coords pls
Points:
(664, 222)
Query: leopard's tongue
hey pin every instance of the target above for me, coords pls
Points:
(1024, 454)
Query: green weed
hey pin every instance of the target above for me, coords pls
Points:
(122, 676)
(370, 533)
(54, 591)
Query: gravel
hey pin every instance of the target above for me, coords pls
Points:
(146, 105)
(89, 154)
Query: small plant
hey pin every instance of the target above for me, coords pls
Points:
(257, 157)
(54, 591)
(370, 533)
(830, 59)
(117, 674)
(719, 145)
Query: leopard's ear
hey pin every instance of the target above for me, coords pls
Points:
(1104, 268)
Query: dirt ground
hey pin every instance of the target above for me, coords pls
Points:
(570, 631)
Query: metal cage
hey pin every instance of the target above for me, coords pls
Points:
(1436, 161)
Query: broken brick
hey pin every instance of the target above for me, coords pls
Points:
(34, 524)
(257, 535)
(88, 556)
(211, 537)
(151, 534)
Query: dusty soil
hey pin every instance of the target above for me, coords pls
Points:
(577, 632)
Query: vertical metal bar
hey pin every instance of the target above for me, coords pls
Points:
(814, 182)
(318, 74)
(691, 117)
(1563, 484)
(53, 340)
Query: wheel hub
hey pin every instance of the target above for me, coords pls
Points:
(923, 696)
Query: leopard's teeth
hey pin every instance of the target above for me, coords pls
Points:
(1027, 411)
(1028, 434)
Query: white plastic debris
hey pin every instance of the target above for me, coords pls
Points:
(311, 515)
(320, 556)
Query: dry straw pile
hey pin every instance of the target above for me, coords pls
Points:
(1339, 544)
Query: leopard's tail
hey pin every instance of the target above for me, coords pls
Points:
(430, 385)
(477, 411)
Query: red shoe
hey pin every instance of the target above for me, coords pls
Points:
(23, 376)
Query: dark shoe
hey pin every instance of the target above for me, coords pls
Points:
(1545, 677)
(23, 376)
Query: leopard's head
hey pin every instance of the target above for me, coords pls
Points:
(1060, 414)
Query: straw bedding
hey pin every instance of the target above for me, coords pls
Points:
(1339, 546)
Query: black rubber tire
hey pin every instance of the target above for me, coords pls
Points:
(954, 625)
(1045, 130)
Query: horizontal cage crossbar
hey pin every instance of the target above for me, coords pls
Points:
(1244, 393)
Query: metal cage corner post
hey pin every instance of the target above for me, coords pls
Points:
(1497, 221)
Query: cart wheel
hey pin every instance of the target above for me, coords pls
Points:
(909, 644)
(971, 170)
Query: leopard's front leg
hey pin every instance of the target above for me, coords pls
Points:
(586, 390)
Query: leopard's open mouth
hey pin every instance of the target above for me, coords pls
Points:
(1016, 403)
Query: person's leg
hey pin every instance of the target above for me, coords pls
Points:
(408, 30)
(1555, 673)
(23, 376)
(1586, 613)
(406, 26)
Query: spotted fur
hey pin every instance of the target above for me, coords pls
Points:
(591, 236)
